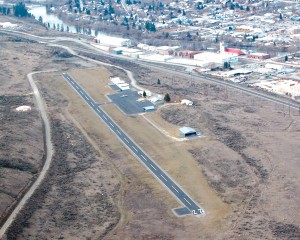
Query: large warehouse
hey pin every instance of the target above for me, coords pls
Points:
(112, 41)
(216, 57)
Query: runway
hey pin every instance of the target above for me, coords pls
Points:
(138, 152)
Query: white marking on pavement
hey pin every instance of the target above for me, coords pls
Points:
(111, 124)
(126, 140)
(134, 148)
(163, 177)
(92, 104)
(153, 166)
(143, 157)
(175, 189)
(187, 201)
(118, 132)
(98, 110)
(104, 117)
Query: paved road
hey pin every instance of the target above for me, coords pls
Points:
(170, 184)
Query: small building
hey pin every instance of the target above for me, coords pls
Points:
(156, 100)
(122, 85)
(186, 102)
(187, 132)
(237, 72)
(149, 108)
(259, 55)
(116, 51)
(165, 50)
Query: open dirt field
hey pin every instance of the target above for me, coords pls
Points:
(21, 137)
(252, 162)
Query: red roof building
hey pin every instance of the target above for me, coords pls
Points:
(234, 51)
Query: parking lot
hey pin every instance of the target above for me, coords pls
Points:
(128, 102)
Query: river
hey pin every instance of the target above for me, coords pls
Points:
(53, 20)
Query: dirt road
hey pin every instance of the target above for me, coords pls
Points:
(49, 152)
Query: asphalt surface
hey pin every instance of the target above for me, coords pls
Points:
(163, 177)
(127, 101)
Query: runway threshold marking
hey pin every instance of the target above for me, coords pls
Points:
(175, 189)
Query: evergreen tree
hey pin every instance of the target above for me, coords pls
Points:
(167, 98)
(40, 19)
(286, 58)
(158, 81)
(20, 10)
(280, 16)
(144, 94)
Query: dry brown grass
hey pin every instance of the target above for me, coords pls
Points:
(95, 80)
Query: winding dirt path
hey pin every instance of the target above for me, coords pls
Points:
(49, 153)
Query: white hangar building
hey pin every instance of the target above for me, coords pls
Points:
(112, 41)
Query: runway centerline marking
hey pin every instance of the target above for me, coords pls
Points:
(163, 177)
(118, 132)
(126, 140)
(153, 167)
(187, 201)
(111, 124)
(104, 117)
(134, 148)
(175, 189)
(144, 157)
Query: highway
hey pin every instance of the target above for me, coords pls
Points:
(138, 152)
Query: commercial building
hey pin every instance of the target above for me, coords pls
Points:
(259, 55)
(112, 41)
(216, 57)
(234, 51)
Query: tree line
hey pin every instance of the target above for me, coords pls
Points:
(19, 10)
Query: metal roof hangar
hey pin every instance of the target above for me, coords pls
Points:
(187, 132)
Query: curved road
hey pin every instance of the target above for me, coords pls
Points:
(49, 152)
